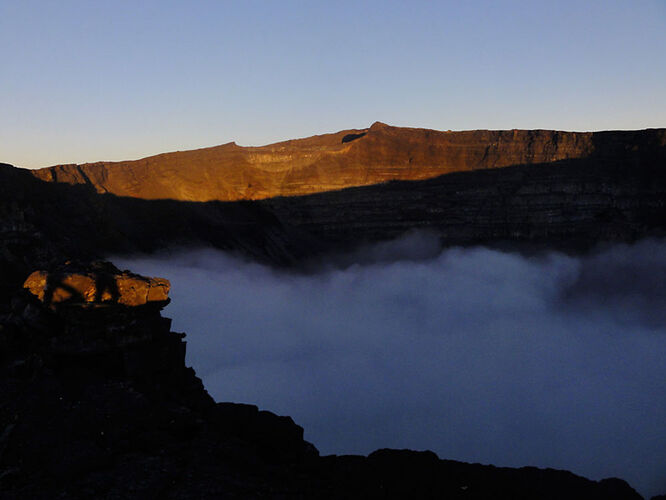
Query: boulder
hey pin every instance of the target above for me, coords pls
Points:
(98, 283)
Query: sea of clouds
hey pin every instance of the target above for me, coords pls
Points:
(479, 355)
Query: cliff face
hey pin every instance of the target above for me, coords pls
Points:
(617, 193)
(344, 159)
(569, 204)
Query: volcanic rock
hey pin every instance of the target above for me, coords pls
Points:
(99, 283)
(340, 160)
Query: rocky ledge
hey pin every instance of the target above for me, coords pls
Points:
(96, 402)
(98, 283)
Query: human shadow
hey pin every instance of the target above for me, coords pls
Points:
(55, 281)
(106, 283)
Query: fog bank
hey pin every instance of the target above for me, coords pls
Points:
(478, 355)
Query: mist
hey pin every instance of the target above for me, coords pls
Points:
(476, 354)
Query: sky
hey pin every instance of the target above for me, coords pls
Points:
(86, 81)
(479, 355)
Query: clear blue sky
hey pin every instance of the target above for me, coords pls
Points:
(93, 80)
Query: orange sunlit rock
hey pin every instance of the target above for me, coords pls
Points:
(321, 163)
(95, 286)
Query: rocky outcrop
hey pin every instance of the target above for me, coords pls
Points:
(96, 400)
(344, 159)
(99, 283)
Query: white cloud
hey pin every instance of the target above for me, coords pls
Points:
(476, 354)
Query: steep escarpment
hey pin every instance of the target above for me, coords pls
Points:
(568, 204)
(344, 159)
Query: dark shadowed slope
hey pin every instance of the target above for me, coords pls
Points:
(96, 402)
(344, 159)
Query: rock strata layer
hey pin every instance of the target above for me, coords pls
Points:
(344, 159)
(617, 193)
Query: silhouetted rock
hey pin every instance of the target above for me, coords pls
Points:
(87, 388)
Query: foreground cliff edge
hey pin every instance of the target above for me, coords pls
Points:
(97, 402)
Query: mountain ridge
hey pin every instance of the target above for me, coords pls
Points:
(339, 160)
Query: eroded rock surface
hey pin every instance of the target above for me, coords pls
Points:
(340, 160)
(99, 283)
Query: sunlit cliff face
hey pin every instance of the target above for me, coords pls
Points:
(476, 354)
(355, 157)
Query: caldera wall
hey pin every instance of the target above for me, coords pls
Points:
(344, 159)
